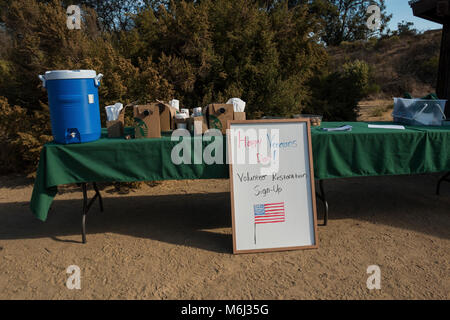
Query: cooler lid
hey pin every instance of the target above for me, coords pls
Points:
(69, 74)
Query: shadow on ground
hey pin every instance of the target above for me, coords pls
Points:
(178, 219)
(407, 202)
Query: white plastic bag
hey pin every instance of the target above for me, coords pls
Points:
(238, 104)
(112, 112)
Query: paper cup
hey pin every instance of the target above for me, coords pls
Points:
(197, 111)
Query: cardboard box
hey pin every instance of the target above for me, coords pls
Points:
(197, 125)
(146, 121)
(218, 115)
(239, 116)
(166, 116)
(116, 127)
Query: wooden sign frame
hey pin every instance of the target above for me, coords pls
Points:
(311, 174)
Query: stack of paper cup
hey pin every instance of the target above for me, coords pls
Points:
(185, 111)
(181, 116)
(197, 112)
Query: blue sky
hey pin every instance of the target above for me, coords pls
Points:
(401, 10)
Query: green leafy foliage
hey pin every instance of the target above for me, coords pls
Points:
(269, 53)
(346, 20)
(22, 135)
(336, 95)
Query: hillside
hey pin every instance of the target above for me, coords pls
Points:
(399, 64)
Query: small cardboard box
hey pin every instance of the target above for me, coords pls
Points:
(239, 116)
(167, 116)
(146, 121)
(116, 127)
(218, 115)
(198, 125)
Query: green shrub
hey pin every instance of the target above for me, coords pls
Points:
(377, 112)
(22, 134)
(336, 95)
(357, 74)
(427, 70)
(25, 123)
(199, 52)
(373, 89)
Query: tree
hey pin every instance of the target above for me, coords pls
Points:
(268, 52)
(114, 15)
(346, 20)
(406, 28)
(42, 42)
(213, 50)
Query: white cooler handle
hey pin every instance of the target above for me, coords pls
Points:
(97, 79)
(41, 77)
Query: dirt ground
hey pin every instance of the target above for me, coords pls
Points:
(173, 241)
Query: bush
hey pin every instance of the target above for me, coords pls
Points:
(22, 135)
(373, 89)
(213, 50)
(25, 123)
(427, 70)
(336, 95)
(199, 52)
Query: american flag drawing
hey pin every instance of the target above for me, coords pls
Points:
(269, 212)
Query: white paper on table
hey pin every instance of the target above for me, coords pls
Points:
(386, 126)
(341, 128)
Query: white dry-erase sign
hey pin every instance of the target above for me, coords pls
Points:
(272, 185)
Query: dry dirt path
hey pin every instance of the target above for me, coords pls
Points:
(173, 241)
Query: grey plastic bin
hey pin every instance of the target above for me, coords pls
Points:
(419, 111)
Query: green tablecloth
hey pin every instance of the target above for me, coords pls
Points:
(360, 152)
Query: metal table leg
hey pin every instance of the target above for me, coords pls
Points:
(445, 177)
(97, 193)
(85, 210)
(322, 197)
(87, 206)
